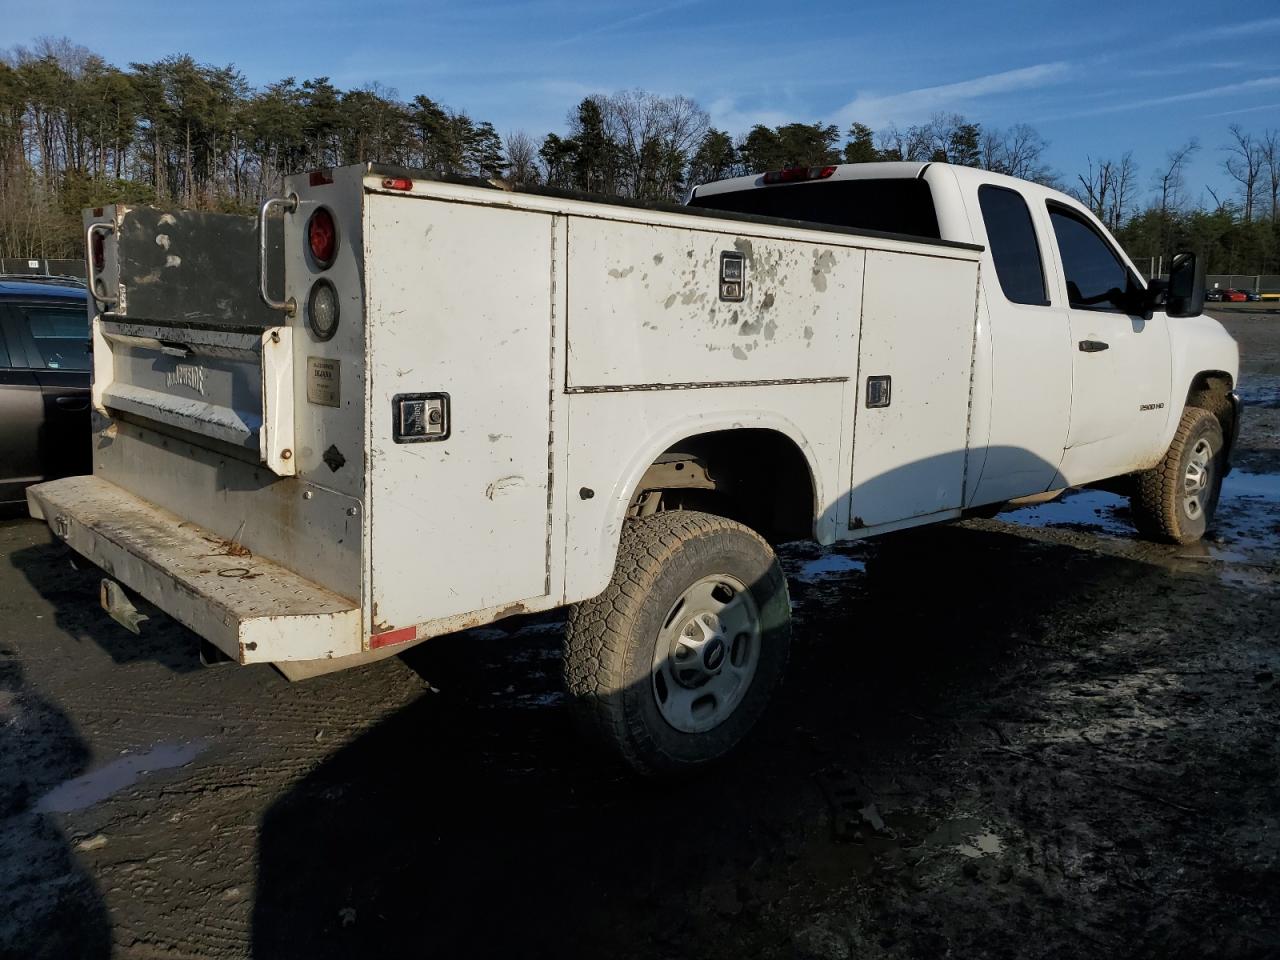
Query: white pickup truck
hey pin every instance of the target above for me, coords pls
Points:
(400, 405)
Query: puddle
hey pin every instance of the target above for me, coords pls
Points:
(1078, 508)
(986, 844)
(1246, 522)
(1251, 486)
(99, 784)
(829, 565)
(1260, 392)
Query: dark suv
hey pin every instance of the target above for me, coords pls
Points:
(45, 357)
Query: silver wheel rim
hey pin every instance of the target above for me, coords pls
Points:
(707, 653)
(1196, 482)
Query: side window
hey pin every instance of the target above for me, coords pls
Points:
(1014, 248)
(60, 334)
(1097, 278)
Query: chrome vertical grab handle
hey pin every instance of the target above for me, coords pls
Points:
(290, 203)
(88, 260)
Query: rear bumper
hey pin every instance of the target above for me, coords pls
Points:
(252, 609)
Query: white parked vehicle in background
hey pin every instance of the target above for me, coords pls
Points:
(403, 405)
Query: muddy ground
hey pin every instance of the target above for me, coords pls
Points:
(1026, 737)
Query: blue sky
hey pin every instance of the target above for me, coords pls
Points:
(1096, 78)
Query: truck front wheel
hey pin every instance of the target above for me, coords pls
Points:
(675, 662)
(1175, 500)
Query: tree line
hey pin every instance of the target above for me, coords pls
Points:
(76, 131)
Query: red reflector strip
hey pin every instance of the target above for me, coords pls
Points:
(393, 636)
(397, 183)
(320, 177)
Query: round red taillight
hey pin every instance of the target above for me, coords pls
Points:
(322, 237)
(99, 252)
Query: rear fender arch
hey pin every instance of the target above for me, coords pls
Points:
(668, 435)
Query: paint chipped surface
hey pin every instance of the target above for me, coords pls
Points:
(771, 333)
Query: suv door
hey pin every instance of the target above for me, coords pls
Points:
(1120, 359)
(21, 416)
(54, 336)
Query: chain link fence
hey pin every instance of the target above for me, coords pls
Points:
(1152, 267)
(36, 266)
(1262, 282)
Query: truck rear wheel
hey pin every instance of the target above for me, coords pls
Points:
(1175, 500)
(675, 662)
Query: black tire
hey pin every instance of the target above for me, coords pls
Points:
(1162, 509)
(611, 640)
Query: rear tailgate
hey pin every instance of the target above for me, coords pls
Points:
(184, 340)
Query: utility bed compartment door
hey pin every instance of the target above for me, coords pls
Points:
(645, 308)
(460, 304)
(918, 325)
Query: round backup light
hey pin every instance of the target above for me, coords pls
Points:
(322, 237)
(322, 309)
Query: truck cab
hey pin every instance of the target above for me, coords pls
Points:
(1079, 377)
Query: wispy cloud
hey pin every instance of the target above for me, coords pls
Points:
(1247, 29)
(1232, 113)
(625, 22)
(1207, 93)
(911, 105)
(726, 114)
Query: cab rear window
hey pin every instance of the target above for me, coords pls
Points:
(900, 205)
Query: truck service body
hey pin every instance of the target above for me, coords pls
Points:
(402, 405)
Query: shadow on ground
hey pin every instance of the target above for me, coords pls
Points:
(49, 906)
(71, 585)
(972, 691)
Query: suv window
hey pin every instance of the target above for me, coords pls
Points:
(1014, 248)
(897, 205)
(1097, 278)
(60, 334)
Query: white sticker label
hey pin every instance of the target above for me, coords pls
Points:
(324, 381)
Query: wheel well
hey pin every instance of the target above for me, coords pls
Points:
(757, 477)
(1211, 390)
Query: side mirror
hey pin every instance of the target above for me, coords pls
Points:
(1184, 296)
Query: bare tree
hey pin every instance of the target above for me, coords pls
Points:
(522, 158)
(1270, 147)
(656, 136)
(1169, 179)
(1108, 189)
(1096, 186)
(891, 143)
(1126, 181)
(1018, 152)
(1244, 165)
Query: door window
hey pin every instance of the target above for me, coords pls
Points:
(1011, 236)
(60, 334)
(1097, 278)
